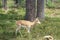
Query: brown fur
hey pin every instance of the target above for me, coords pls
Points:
(26, 24)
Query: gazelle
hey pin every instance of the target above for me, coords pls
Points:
(26, 24)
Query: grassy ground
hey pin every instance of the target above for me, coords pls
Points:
(51, 25)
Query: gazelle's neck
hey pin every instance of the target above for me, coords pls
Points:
(34, 22)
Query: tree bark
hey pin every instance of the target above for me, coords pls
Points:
(4, 2)
(40, 9)
(30, 10)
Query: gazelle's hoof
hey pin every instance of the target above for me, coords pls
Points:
(28, 31)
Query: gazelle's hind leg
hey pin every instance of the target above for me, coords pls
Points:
(28, 29)
(18, 28)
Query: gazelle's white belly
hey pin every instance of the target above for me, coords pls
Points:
(23, 26)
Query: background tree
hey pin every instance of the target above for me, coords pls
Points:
(40, 9)
(30, 10)
(4, 3)
(0, 4)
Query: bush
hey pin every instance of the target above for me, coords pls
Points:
(0, 5)
(10, 15)
(13, 15)
(50, 4)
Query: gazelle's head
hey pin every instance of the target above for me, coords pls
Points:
(37, 21)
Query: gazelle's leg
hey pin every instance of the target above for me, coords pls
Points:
(18, 28)
(28, 29)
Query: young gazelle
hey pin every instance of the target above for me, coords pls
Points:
(26, 24)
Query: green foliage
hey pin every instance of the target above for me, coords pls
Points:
(10, 3)
(22, 3)
(50, 4)
(2, 11)
(0, 5)
(10, 15)
(13, 15)
(8, 26)
(49, 26)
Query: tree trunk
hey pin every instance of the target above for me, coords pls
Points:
(19, 3)
(40, 9)
(4, 2)
(30, 10)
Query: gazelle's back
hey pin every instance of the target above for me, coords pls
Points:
(23, 22)
(26, 24)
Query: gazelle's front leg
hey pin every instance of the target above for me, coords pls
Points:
(18, 28)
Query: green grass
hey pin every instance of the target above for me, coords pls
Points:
(49, 26)
(8, 26)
